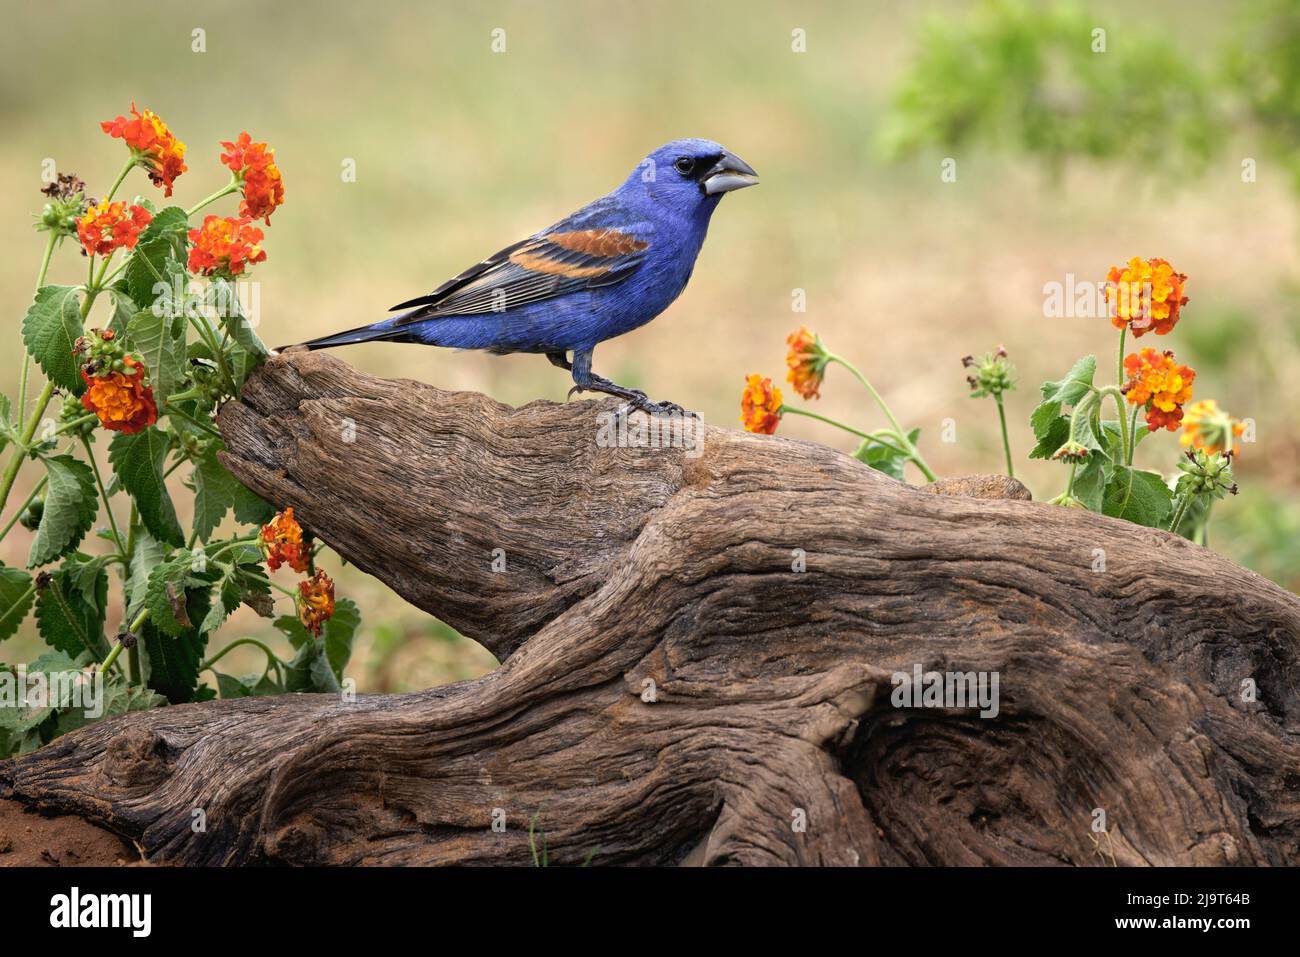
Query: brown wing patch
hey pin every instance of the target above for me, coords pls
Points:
(539, 262)
(605, 243)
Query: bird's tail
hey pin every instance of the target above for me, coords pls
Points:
(375, 332)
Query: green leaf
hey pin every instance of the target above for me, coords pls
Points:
(231, 687)
(339, 633)
(225, 299)
(51, 329)
(170, 224)
(1076, 384)
(124, 307)
(154, 272)
(215, 490)
(238, 583)
(174, 660)
(163, 354)
(1051, 436)
(7, 433)
(310, 670)
(250, 508)
(149, 553)
(165, 595)
(16, 596)
(67, 621)
(138, 461)
(70, 506)
(1138, 496)
(1090, 480)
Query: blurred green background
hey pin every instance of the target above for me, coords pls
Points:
(1068, 161)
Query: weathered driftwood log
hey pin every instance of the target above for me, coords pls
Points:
(1121, 654)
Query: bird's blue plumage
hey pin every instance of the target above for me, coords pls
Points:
(606, 269)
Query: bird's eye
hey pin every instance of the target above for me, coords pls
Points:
(684, 165)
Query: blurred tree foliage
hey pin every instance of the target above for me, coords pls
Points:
(1041, 79)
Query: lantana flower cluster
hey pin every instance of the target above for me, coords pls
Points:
(283, 543)
(117, 388)
(1159, 384)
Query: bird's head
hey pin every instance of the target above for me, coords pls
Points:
(691, 175)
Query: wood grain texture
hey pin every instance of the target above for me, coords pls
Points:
(1120, 689)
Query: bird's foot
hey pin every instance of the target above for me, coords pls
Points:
(650, 407)
(635, 398)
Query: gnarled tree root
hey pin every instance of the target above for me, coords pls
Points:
(698, 655)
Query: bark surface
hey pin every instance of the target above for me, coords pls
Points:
(698, 648)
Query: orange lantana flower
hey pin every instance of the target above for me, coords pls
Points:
(315, 601)
(225, 246)
(1159, 384)
(155, 147)
(1148, 296)
(760, 405)
(282, 542)
(255, 165)
(807, 361)
(1211, 429)
(121, 399)
(109, 226)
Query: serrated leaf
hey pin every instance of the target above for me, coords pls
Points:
(229, 686)
(250, 509)
(1076, 384)
(339, 633)
(154, 272)
(174, 660)
(225, 299)
(1056, 434)
(164, 596)
(51, 329)
(124, 307)
(71, 503)
(149, 553)
(70, 623)
(163, 353)
(238, 583)
(16, 597)
(170, 223)
(138, 461)
(1090, 480)
(215, 490)
(1138, 496)
(310, 670)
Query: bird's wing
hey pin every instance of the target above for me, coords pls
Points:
(569, 256)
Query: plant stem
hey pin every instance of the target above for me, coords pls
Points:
(27, 359)
(1132, 431)
(874, 436)
(908, 447)
(1183, 501)
(177, 410)
(103, 494)
(13, 519)
(117, 649)
(1119, 364)
(11, 470)
(1126, 452)
(271, 655)
(120, 176)
(1006, 440)
(226, 190)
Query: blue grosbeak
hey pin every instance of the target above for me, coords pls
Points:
(610, 267)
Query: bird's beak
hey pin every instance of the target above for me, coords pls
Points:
(730, 172)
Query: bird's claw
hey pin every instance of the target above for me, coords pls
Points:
(649, 407)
